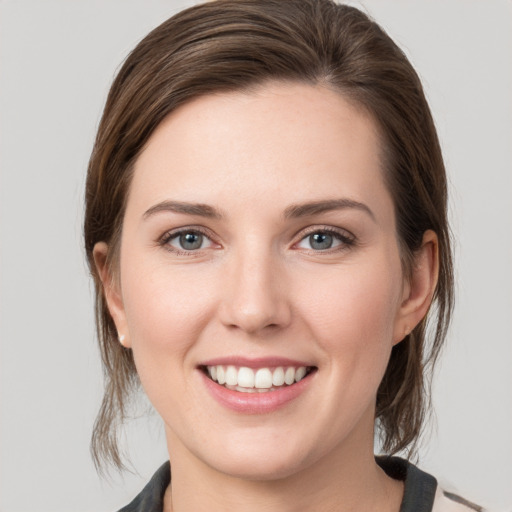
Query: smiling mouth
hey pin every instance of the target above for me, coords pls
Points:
(257, 380)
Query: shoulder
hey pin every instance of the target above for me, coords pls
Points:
(151, 498)
(446, 501)
(421, 490)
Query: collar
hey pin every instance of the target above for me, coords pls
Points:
(419, 492)
(420, 487)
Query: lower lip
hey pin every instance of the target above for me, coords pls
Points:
(255, 403)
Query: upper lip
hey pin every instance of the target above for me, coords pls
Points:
(258, 362)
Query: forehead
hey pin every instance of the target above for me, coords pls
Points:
(286, 140)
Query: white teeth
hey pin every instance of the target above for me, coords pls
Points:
(247, 380)
(231, 376)
(278, 377)
(263, 378)
(300, 373)
(246, 377)
(221, 375)
(245, 390)
(289, 376)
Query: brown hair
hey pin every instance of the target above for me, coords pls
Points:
(237, 44)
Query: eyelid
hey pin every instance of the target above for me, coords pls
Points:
(325, 228)
(347, 238)
(175, 232)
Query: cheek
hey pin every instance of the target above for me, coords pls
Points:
(166, 310)
(353, 318)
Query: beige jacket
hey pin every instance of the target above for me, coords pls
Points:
(448, 502)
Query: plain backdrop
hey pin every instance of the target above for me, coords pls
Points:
(57, 59)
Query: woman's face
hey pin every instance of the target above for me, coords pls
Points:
(259, 236)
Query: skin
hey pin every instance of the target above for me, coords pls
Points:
(258, 288)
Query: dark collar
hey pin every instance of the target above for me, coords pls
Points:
(151, 498)
(420, 487)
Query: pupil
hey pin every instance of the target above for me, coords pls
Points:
(191, 241)
(320, 241)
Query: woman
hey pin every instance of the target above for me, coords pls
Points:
(266, 227)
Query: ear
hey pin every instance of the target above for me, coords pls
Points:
(112, 292)
(419, 289)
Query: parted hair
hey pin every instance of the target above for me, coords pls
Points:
(235, 45)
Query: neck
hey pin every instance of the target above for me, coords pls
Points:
(345, 480)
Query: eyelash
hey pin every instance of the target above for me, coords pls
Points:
(347, 239)
(171, 235)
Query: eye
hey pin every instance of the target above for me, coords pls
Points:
(324, 239)
(189, 240)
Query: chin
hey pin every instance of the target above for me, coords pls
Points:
(260, 462)
(259, 470)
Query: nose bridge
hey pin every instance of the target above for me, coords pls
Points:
(256, 297)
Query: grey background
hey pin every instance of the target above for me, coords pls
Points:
(57, 60)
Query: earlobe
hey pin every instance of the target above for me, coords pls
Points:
(112, 292)
(420, 287)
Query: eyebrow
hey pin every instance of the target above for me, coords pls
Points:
(199, 209)
(316, 207)
(293, 211)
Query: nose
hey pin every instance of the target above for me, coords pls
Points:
(255, 298)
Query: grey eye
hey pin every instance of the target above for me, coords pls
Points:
(187, 241)
(190, 241)
(321, 241)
